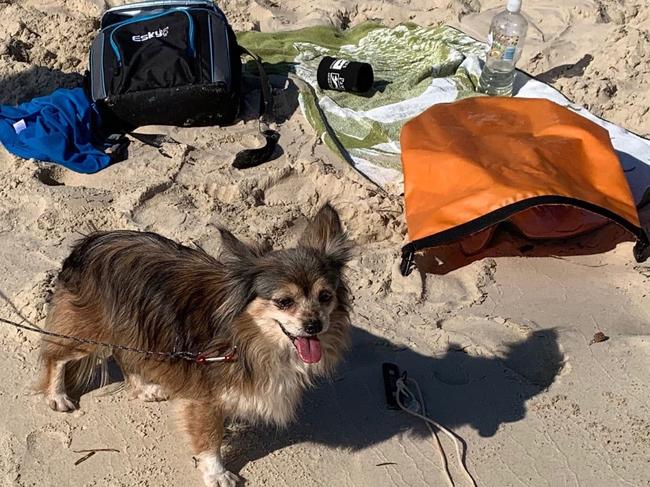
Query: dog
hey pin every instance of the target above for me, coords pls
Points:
(285, 312)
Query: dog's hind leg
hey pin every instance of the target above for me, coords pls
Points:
(203, 422)
(54, 388)
(66, 319)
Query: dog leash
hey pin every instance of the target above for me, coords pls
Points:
(229, 353)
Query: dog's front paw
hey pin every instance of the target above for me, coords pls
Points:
(60, 402)
(224, 479)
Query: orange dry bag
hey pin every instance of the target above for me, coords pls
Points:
(475, 163)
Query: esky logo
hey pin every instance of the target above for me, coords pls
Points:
(150, 35)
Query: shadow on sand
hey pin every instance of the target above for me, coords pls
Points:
(459, 390)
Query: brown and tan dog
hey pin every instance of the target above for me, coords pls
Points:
(285, 311)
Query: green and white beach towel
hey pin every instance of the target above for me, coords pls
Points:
(415, 68)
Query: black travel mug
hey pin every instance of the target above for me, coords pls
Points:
(344, 75)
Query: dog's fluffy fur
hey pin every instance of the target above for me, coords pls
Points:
(144, 291)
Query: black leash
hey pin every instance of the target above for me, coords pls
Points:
(254, 157)
(229, 356)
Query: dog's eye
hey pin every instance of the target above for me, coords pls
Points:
(325, 297)
(283, 303)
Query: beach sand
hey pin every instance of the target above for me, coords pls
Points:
(501, 348)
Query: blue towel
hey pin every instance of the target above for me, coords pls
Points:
(54, 128)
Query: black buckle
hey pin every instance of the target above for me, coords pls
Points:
(391, 375)
(407, 264)
(642, 250)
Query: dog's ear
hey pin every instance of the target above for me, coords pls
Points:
(325, 234)
(233, 247)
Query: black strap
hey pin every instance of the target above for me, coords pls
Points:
(154, 140)
(249, 157)
(254, 157)
(118, 150)
(243, 160)
(266, 100)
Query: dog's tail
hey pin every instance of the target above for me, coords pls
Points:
(90, 372)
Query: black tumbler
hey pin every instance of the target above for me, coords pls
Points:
(343, 75)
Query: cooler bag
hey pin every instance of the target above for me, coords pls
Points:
(166, 63)
(170, 62)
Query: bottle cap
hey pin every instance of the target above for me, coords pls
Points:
(513, 6)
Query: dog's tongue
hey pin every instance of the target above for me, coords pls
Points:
(308, 349)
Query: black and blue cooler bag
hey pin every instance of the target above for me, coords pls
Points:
(168, 62)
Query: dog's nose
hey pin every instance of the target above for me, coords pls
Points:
(313, 326)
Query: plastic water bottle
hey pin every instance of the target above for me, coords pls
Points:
(505, 40)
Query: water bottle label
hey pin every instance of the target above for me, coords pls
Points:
(502, 46)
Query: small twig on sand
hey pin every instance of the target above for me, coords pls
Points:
(90, 453)
(96, 450)
(84, 458)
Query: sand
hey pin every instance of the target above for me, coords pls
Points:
(501, 347)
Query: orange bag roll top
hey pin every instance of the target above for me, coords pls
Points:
(474, 163)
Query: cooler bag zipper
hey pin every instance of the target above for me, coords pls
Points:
(211, 49)
(178, 4)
